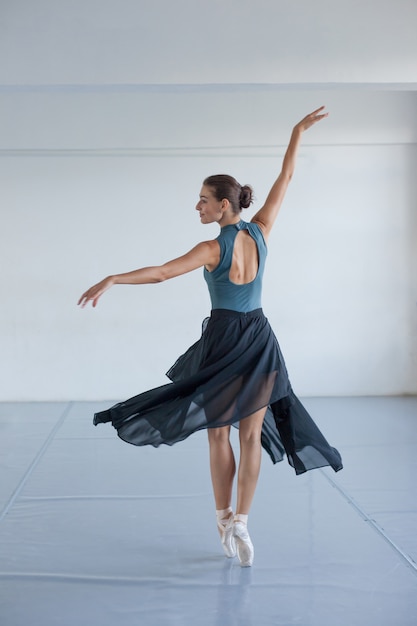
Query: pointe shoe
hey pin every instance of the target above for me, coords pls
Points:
(244, 545)
(227, 539)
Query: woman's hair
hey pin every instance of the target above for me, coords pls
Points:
(227, 187)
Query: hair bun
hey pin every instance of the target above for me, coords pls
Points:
(246, 196)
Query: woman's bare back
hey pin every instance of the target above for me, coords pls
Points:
(245, 260)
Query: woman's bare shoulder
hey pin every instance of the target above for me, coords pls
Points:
(261, 227)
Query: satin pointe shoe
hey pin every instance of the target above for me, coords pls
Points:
(244, 545)
(227, 539)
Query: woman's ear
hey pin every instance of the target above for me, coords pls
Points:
(225, 205)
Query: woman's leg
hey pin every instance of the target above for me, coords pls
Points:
(250, 430)
(223, 469)
(222, 466)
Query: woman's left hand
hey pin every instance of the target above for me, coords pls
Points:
(96, 291)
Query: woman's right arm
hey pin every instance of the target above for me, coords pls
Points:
(204, 254)
(266, 216)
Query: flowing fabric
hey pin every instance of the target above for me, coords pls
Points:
(232, 371)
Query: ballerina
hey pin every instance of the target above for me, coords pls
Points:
(235, 373)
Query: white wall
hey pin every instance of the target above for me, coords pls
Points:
(111, 114)
(94, 183)
(218, 41)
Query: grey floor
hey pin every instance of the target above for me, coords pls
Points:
(94, 531)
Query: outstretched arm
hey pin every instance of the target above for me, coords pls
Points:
(266, 216)
(205, 253)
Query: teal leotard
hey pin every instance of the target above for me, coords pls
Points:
(224, 293)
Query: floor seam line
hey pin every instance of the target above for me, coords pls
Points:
(35, 461)
(377, 528)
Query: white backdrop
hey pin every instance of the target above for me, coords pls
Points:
(112, 113)
(108, 182)
(92, 42)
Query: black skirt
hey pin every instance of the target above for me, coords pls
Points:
(233, 370)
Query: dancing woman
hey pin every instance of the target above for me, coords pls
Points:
(235, 373)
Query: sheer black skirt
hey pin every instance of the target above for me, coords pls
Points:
(233, 370)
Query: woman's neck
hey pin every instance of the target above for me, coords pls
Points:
(227, 220)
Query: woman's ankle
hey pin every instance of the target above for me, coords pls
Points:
(224, 515)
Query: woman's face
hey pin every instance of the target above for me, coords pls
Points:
(209, 207)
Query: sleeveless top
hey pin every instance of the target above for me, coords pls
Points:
(224, 293)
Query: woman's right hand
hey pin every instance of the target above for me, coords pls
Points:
(311, 119)
(96, 291)
(266, 216)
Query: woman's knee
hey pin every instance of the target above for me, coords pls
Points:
(219, 435)
(250, 437)
(250, 428)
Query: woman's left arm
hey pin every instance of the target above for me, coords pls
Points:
(266, 216)
(205, 253)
